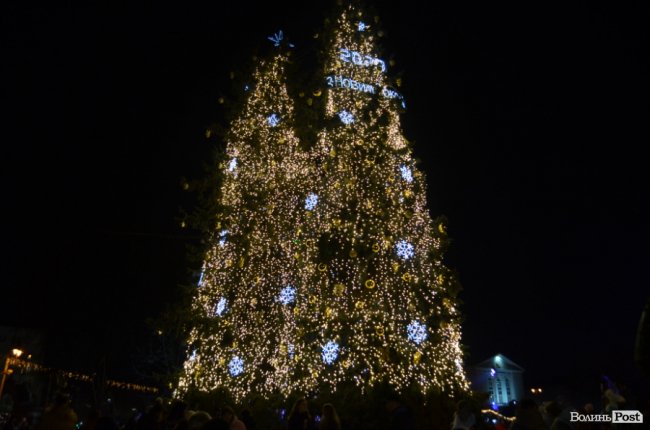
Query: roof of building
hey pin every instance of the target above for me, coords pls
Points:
(499, 362)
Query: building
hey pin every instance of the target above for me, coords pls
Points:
(500, 377)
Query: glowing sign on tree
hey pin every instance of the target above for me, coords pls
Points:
(359, 59)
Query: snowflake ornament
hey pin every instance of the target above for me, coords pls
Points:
(220, 308)
(346, 117)
(236, 366)
(416, 332)
(330, 352)
(311, 201)
(406, 173)
(287, 295)
(404, 249)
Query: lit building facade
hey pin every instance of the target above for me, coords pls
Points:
(500, 377)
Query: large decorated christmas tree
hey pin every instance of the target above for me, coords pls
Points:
(324, 266)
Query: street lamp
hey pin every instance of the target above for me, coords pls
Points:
(7, 371)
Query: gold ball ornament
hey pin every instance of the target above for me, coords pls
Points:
(317, 93)
(339, 289)
(353, 253)
(375, 247)
(208, 133)
(322, 267)
(379, 330)
(442, 228)
(440, 278)
(417, 357)
(406, 277)
(359, 305)
(313, 299)
(328, 312)
(370, 284)
(310, 101)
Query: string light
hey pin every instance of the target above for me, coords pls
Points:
(331, 231)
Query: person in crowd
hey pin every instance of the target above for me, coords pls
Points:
(60, 416)
(153, 418)
(197, 420)
(299, 418)
(401, 417)
(229, 417)
(528, 416)
(329, 419)
(248, 420)
(464, 418)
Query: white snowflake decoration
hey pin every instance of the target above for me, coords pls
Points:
(220, 307)
(404, 249)
(222, 237)
(330, 352)
(276, 38)
(416, 331)
(236, 366)
(193, 355)
(346, 117)
(291, 350)
(407, 175)
(287, 295)
(201, 277)
(311, 201)
(362, 26)
(232, 165)
(273, 120)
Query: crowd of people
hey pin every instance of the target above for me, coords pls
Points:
(177, 415)
(526, 414)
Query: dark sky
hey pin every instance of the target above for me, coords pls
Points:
(530, 122)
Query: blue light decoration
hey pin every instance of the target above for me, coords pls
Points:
(273, 120)
(406, 173)
(346, 117)
(330, 352)
(247, 87)
(222, 237)
(220, 308)
(404, 249)
(311, 201)
(287, 295)
(201, 277)
(291, 350)
(236, 366)
(362, 60)
(416, 331)
(276, 38)
(193, 355)
(339, 81)
(493, 372)
(232, 165)
(362, 26)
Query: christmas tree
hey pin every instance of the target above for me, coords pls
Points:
(325, 268)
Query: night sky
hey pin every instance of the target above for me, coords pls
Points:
(529, 122)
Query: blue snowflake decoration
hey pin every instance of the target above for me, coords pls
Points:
(404, 250)
(287, 295)
(232, 165)
(193, 355)
(220, 308)
(311, 201)
(273, 120)
(362, 26)
(346, 117)
(417, 332)
(236, 366)
(330, 352)
(277, 38)
(247, 87)
(406, 173)
(291, 350)
(222, 237)
(201, 278)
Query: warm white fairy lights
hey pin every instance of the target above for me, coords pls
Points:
(326, 257)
